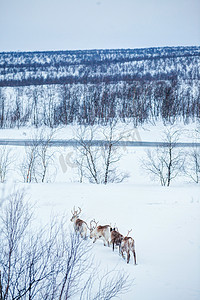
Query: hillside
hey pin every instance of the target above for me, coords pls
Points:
(94, 86)
(91, 66)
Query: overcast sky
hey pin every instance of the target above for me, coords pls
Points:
(97, 24)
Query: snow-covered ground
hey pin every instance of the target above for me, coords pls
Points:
(165, 221)
(165, 224)
(147, 132)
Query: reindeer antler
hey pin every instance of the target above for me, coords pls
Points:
(73, 211)
(76, 212)
(93, 221)
(128, 232)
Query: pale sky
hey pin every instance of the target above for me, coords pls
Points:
(33, 25)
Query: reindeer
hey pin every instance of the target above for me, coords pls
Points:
(116, 238)
(97, 232)
(127, 245)
(79, 225)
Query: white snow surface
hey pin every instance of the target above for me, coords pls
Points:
(165, 225)
(147, 132)
(165, 221)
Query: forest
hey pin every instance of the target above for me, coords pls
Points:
(94, 86)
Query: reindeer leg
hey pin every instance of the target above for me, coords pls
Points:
(119, 248)
(134, 254)
(128, 257)
(94, 240)
(113, 246)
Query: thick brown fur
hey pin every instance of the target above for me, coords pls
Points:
(116, 239)
(128, 245)
(100, 231)
(79, 225)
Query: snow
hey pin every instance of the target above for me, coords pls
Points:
(165, 224)
(147, 132)
(165, 221)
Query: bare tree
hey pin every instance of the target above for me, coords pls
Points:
(45, 155)
(2, 108)
(165, 162)
(48, 263)
(192, 169)
(110, 285)
(111, 155)
(28, 166)
(6, 159)
(88, 155)
(14, 222)
(98, 162)
(39, 157)
(192, 165)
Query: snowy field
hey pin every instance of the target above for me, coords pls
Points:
(165, 221)
(147, 132)
(165, 224)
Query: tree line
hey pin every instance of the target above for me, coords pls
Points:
(89, 104)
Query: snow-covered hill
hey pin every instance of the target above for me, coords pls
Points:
(165, 224)
(93, 66)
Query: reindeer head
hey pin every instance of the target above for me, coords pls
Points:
(115, 228)
(93, 226)
(75, 214)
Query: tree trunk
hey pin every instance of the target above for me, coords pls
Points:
(169, 167)
(108, 163)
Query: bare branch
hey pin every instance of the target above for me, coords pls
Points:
(165, 163)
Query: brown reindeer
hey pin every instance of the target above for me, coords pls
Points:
(128, 245)
(116, 238)
(79, 225)
(103, 232)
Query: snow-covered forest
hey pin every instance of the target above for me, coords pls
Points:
(94, 86)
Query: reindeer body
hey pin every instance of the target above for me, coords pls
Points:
(98, 232)
(116, 239)
(128, 245)
(79, 225)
